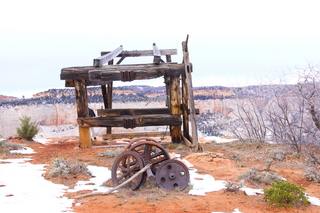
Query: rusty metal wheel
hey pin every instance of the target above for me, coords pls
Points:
(151, 152)
(139, 140)
(125, 166)
(172, 174)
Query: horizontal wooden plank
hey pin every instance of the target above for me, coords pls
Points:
(138, 53)
(105, 58)
(135, 135)
(140, 120)
(135, 111)
(112, 72)
(132, 111)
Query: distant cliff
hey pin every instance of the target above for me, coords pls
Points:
(57, 106)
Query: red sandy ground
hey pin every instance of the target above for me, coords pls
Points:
(216, 161)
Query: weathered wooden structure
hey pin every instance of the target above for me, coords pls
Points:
(177, 78)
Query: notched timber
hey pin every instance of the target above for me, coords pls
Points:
(137, 73)
(140, 120)
(113, 72)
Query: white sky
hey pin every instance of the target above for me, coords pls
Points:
(231, 42)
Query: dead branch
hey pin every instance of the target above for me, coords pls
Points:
(118, 186)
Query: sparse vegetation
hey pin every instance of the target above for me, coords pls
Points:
(313, 175)
(7, 146)
(111, 153)
(64, 168)
(285, 194)
(27, 129)
(233, 187)
(256, 176)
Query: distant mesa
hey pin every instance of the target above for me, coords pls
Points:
(4, 97)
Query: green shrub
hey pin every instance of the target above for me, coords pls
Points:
(111, 153)
(27, 129)
(65, 168)
(285, 194)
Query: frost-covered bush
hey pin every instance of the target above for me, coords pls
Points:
(313, 175)
(257, 177)
(277, 155)
(7, 146)
(111, 153)
(65, 168)
(233, 187)
(285, 194)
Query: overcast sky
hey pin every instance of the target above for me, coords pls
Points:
(231, 42)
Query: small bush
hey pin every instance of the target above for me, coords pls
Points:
(313, 175)
(65, 168)
(257, 177)
(111, 153)
(27, 129)
(285, 194)
(278, 155)
(233, 187)
(7, 146)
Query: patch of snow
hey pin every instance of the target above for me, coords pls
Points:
(234, 211)
(26, 190)
(314, 200)
(219, 139)
(43, 140)
(250, 191)
(201, 184)
(101, 175)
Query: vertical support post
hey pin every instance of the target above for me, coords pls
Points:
(109, 102)
(82, 110)
(107, 96)
(175, 107)
(185, 107)
(188, 70)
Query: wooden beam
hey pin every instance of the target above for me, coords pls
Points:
(139, 121)
(188, 70)
(113, 72)
(175, 107)
(185, 108)
(105, 58)
(138, 73)
(82, 110)
(132, 111)
(138, 53)
(134, 135)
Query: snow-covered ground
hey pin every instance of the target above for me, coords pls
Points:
(35, 194)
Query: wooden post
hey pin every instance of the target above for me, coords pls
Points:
(185, 107)
(83, 111)
(188, 70)
(107, 94)
(175, 107)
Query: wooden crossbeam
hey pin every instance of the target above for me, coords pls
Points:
(140, 120)
(135, 135)
(119, 112)
(105, 58)
(136, 111)
(116, 72)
